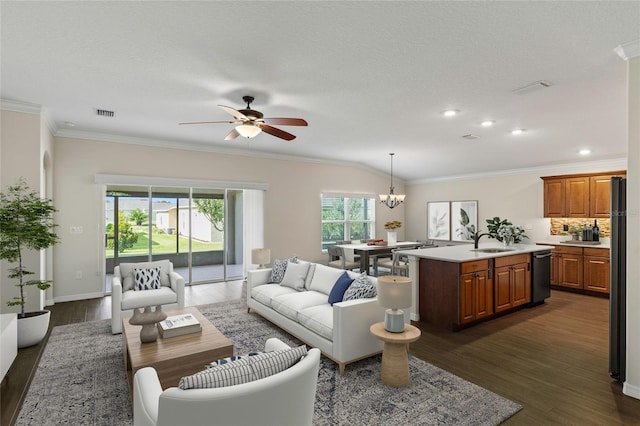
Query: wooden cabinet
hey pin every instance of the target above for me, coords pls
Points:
(476, 294)
(580, 268)
(512, 281)
(581, 196)
(596, 270)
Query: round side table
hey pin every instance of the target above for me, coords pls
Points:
(395, 353)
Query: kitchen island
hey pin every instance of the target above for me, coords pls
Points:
(457, 286)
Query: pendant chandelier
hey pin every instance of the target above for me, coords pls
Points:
(391, 200)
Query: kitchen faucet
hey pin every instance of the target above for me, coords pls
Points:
(476, 238)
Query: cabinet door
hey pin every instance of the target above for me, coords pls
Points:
(554, 197)
(577, 197)
(521, 283)
(600, 196)
(466, 297)
(483, 295)
(502, 284)
(570, 270)
(596, 274)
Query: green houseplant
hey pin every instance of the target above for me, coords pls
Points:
(26, 223)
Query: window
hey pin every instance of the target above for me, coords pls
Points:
(347, 218)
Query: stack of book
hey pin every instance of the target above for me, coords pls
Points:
(177, 325)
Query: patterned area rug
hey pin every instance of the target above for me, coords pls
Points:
(81, 381)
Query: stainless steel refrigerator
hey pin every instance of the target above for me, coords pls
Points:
(618, 289)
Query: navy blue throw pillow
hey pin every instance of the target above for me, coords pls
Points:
(341, 285)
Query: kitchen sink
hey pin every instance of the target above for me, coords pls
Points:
(492, 250)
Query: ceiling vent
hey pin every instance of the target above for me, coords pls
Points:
(471, 137)
(536, 85)
(104, 113)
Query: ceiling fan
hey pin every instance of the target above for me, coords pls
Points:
(251, 123)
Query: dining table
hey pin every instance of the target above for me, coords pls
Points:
(366, 251)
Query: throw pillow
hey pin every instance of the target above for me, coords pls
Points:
(339, 288)
(295, 275)
(230, 359)
(126, 272)
(279, 267)
(244, 370)
(146, 279)
(362, 288)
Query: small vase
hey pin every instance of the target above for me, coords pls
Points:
(392, 238)
(507, 241)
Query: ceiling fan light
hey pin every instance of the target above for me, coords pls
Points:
(248, 130)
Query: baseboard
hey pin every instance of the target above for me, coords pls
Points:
(631, 390)
(75, 297)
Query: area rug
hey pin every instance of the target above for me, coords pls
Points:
(81, 381)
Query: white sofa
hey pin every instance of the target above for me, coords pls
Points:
(286, 398)
(340, 331)
(124, 298)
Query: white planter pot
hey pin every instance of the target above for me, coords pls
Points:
(32, 329)
(392, 238)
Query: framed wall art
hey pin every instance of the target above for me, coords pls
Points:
(464, 220)
(438, 220)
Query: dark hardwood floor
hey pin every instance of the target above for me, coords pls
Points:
(552, 359)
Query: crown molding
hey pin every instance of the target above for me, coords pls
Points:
(20, 106)
(629, 50)
(556, 169)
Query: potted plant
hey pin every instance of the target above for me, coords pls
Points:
(504, 231)
(392, 236)
(26, 223)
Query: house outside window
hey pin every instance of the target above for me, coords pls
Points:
(347, 218)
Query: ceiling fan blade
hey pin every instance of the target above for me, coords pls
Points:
(286, 121)
(236, 114)
(231, 135)
(213, 122)
(276, 132)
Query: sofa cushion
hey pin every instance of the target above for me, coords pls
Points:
(295, 275)
(340, 286)
(140, 299)
(362, 288)
(324, 277)
(244, 370)
(266, 292)
(312, 269)
(126, 272)
(318, 319)
(279, 267)
(146, 278)
(290, 304)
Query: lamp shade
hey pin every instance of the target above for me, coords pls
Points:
(394, 292)
(260, 256)
(248, 130)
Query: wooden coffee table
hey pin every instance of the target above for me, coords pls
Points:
(395, 354)
(173, 357)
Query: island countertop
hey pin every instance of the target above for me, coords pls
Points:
(465, 252)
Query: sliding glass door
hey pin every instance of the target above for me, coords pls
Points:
(199, 229)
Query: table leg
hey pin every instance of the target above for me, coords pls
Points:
(364, 261)
(395, 365)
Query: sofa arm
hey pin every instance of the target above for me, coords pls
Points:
(116, 304)
(275, 344)
(351, 322)
(177, 284)
(256, 277)
(146, 394)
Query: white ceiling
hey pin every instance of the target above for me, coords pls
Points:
(369, 77)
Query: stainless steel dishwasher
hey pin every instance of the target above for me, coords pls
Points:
(540, 277)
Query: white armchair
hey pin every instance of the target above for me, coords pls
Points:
(286, 398)
(125, 298)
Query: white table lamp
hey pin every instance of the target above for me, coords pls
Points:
(394, 292)
(261, 256)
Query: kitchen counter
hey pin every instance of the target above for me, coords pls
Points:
(464, 252)
(603, 244)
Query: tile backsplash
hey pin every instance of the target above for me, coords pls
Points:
(558, 223)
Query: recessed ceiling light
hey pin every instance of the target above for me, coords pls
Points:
(517, 131)
(584, 152)
(450, 112)
(487, 123)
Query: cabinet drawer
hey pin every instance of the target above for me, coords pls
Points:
(599, 252)
(512, 260)
(568, 250)
(476, 265)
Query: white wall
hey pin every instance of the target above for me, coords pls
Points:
(515, 195)
(292, 202)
